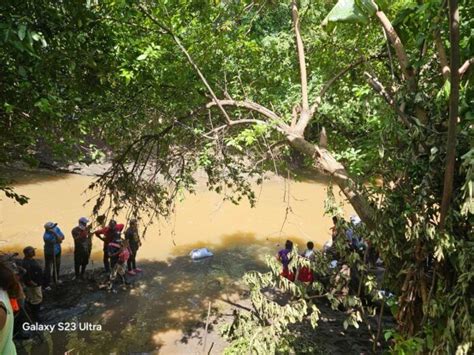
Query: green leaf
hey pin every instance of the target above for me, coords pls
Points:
(388, 334)
(21, 32)
(142, 56)
(35, 36)
(345, 11)
(369, 7)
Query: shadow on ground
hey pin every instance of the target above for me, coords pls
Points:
(165, 303)
(165, 308)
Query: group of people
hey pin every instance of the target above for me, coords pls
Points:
(116, 250)
(303, 274)
(22, 283)
(347, 235)
(344, 235)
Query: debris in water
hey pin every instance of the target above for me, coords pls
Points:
(201, 253)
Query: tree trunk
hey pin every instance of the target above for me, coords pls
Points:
(326, 163)
(453, 111)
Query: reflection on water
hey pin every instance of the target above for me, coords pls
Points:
(201, 219)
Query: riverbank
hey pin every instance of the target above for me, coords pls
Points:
(165, 310)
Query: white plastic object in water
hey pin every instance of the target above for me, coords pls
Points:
(201, 253)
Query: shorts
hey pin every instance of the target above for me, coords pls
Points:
(34, 294)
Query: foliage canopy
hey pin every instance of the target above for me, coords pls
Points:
(237, 88)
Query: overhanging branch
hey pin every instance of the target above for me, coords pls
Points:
(188, 56)
(248, 105)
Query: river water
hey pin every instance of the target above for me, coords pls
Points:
(202, 219)
(173, 292)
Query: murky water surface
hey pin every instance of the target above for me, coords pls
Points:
(201, 219)
(174, 292)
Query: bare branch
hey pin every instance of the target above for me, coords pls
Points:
(465, 67)
(232, 123)
(301, 57)
(323, 138)
(253, 107)
(294, 116)
(399, 49)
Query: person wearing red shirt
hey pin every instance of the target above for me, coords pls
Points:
(108, 234)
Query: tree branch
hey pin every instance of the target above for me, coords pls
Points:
(443, 59)
(305, 112)
(399, 49)
(465, 67)
(250, 106)
(188, 56)
(453, 111)
(301, 57)
(380, 89)
(233, 123)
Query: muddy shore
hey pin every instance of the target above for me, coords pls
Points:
(164, 310)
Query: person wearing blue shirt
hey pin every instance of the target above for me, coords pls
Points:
(53, 238)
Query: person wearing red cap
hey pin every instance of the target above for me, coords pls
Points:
(107, 234)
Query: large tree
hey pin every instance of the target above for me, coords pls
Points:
(239, 88)
(262, 80)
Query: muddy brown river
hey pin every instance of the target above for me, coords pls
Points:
(173, 293)
(201, 219)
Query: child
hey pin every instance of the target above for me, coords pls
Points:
(283, 257)
(306, 274)
(120, 253)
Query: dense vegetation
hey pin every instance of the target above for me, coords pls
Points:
(237, 88)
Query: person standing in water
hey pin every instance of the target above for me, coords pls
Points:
(53, 237)
(82, 247)
(284, 258)
(9, 289)
(107, 235)
(133, 238)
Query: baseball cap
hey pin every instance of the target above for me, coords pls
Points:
(50, 225)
